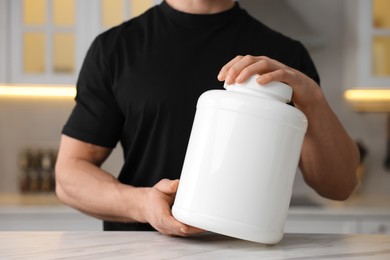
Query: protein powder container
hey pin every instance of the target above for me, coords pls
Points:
(241, 161)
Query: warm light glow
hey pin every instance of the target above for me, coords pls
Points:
(66, 91)
(367, 95)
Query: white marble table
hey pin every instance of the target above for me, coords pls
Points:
(152, 245)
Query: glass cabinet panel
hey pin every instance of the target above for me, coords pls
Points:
(381, 11)
(34, 12)
(64, 12)
(34, 53)
(380, 48)
(381, 56)
(63, 53)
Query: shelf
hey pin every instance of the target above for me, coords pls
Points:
(42, 199)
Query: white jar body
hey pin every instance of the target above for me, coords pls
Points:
(240, 166)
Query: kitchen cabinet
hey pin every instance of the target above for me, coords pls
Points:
(328, 220)
(3, 40)
(41, 212)
(366, 54)
(358, 215)
(375, 226)
(46, 218)
(367, 43)
(321, 225)
(45, 41)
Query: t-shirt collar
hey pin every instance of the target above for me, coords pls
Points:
(200, 18)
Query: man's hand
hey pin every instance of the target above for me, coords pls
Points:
(305, 90)
(157, 209)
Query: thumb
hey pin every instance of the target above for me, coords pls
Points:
(167, 186)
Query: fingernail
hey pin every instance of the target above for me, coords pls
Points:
(174, 184)
(228, 80)
(260, 79)
(239, 79)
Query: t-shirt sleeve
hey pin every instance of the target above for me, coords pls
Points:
(305, 64)
(96, 117)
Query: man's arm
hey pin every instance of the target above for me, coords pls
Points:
(329, 157)
(82, 184)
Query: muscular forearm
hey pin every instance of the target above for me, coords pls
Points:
(329, 156)
(95, 192)
(82, 184)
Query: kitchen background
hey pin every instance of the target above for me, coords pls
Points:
(337, 34)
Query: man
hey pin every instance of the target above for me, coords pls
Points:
(139, 85)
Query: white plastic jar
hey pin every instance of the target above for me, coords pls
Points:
(241, 162)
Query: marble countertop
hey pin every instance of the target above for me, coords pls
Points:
(152, 245)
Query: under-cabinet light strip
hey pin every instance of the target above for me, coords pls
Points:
(66, 91)
(367, 95)
(69, 91)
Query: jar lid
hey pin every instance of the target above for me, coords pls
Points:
(277, 89)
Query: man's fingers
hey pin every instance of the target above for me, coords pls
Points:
(223, 72)
(189, 230)
(175, 228)
(161, 217)
(168, 225)
(241, 68)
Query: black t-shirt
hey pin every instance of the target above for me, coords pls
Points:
(140, 82)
